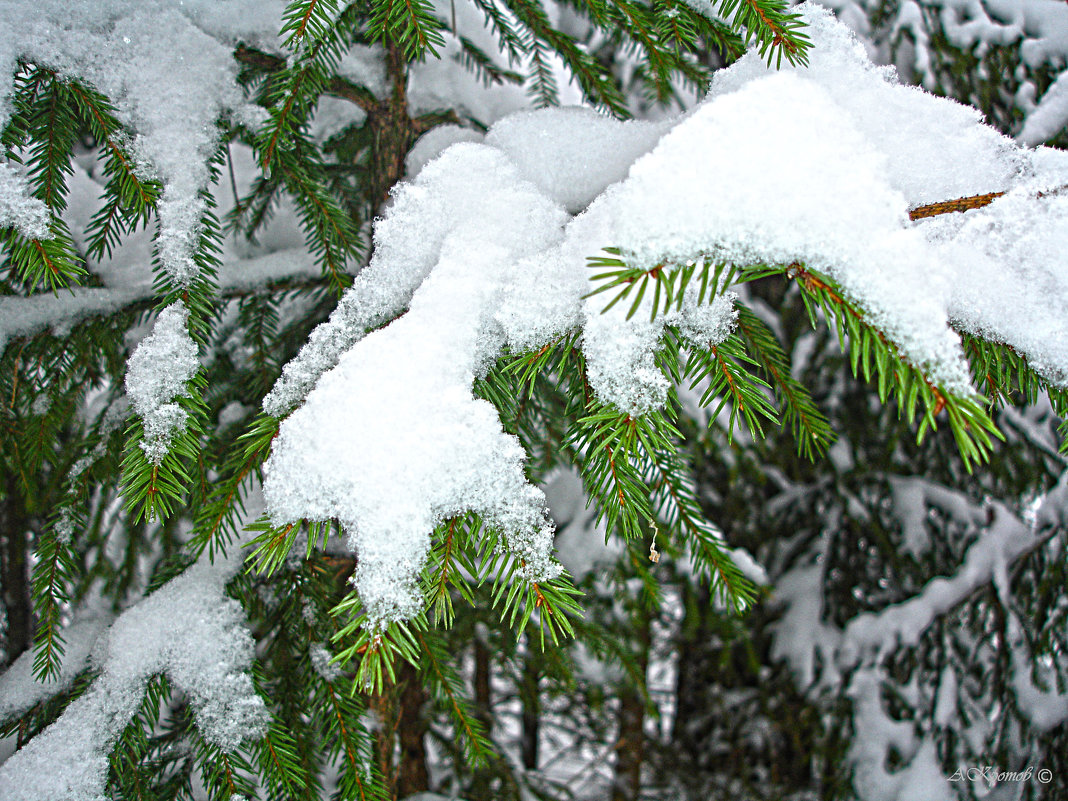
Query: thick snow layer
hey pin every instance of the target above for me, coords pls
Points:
(817, 165)
(157, 374)
(189, 630)
(572, 154)
(1023, 306)
(392, 440)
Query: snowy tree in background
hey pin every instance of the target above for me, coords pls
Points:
(1005, 58)
(351, 350)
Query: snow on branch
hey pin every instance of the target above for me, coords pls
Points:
(816, 166)
(188, 630)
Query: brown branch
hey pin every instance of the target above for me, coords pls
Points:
(338, 86)
(958, 204)
(969, 203)
(425, 122)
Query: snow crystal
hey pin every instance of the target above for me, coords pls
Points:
(18, 208)
(190, 630)
(620, 362)
(157, 373)
(254, 22)
(321, 664)
(408, 243)
(706, 324)
(825, 187)
(572, 154)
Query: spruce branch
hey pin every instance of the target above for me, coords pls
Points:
(412, 24)
(447, 687)
(810, 426)
(215, 524)
(307, 18)
(52, 577)
(870, 350)
(777, 31)
(342, 710)
(727, 367)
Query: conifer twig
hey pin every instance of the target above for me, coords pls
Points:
(957, 204)
(969, 203)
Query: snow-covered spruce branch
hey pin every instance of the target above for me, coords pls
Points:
(406, 420)
(870, 350)
(520, 269)
(1005, 540)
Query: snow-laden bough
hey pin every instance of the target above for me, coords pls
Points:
(487, 249)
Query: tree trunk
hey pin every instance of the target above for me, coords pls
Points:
(392, 129)
(531, 700)
(384, 706)
(412, 774)
(480, 782)
(14, 576)
(630, 747)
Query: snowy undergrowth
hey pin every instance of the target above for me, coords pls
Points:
(854, 657)
(479, 253)
(188, 630)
